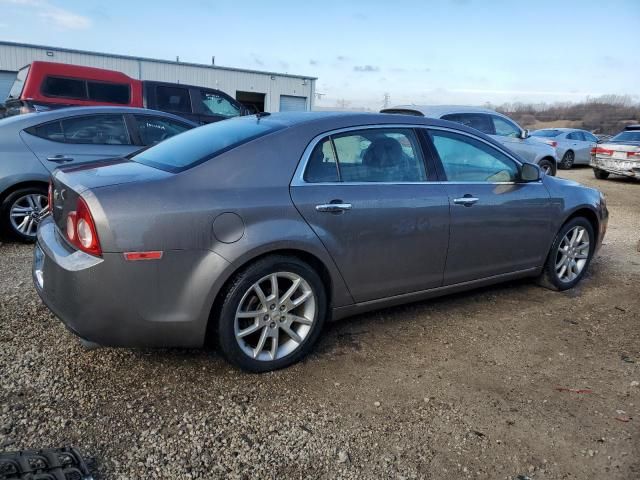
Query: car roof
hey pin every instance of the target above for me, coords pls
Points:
(34, 118)
(561, 129)
(437, 111)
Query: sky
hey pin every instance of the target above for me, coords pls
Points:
(428, 52)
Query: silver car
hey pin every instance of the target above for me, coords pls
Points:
(573, 146)
(32, 145)
(251, 232)
(619, 155)
(498, 126)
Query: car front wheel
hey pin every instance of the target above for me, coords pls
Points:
(570, 255)
(272, 314)
(21, 211)
(547, 166)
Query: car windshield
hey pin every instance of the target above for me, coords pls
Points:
(631, 136)
(546, 133)
(203, 143)
(18, 83)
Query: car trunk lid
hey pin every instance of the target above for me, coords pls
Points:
(70, 182)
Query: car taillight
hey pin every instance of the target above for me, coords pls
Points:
(553, 143)
(81, 229)
(633, 155)
(601, 151)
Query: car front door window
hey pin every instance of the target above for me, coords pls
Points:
(153, 130)
(465, 159)
(215, 104)
(505, 128)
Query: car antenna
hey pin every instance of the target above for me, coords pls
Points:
(259, 115)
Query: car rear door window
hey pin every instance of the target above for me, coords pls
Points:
(322, 166)
(215, 104)
(109, 92)
(173, 99)
(96, 130)
(153, 130)
(64, 87)
(379, 155)
(465, 159)
(574, 136)
(505, 128)
(478, 121)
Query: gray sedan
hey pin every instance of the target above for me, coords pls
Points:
(32, 145)
(251, 232)
(573, 146)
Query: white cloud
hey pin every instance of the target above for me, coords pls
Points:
(58, 17)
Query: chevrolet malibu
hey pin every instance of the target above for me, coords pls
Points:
(250, 233)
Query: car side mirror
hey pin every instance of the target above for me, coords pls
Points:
(530, 172)
(524, 134)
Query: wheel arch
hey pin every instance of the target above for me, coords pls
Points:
(306, 256)
(589, 214)
(23, 184)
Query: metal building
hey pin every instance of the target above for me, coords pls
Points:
(268, 91)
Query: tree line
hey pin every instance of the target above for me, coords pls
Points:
(605, 114)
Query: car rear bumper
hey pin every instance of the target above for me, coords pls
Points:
(113, 302)
(629, 168)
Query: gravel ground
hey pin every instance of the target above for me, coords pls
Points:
(468, 386)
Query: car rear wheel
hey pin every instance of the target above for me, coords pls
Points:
(272, 314)
(547, 166)
(600, 174)
(567, 160)
(21, 211)
(570, 255)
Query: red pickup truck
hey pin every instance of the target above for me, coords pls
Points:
(47, 85)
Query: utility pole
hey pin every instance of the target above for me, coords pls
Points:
(387, 97)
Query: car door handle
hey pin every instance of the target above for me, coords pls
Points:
(333, 207)
(60, 159)
(466, 201)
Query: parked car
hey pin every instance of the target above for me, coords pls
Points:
(32, 145)
(498, 126)
(573, 146)
(47, 85)
(620, 155)
(252, 231)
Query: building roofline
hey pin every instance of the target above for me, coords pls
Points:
(154, 60)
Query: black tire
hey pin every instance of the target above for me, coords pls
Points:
(549, 277)
(567, 160)
(600, 174)
(5, 213)
(240, 285)
(548, 165)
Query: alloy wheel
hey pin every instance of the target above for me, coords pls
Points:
(572, 254)
(275, 316)
(26, 212)
(567, 160)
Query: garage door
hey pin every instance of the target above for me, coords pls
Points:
(289, 103)
(6, 81)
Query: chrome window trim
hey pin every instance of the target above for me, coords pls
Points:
(299, 181)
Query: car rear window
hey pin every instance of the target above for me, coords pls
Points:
(546, 133)
(630, 136)
(203, 143)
